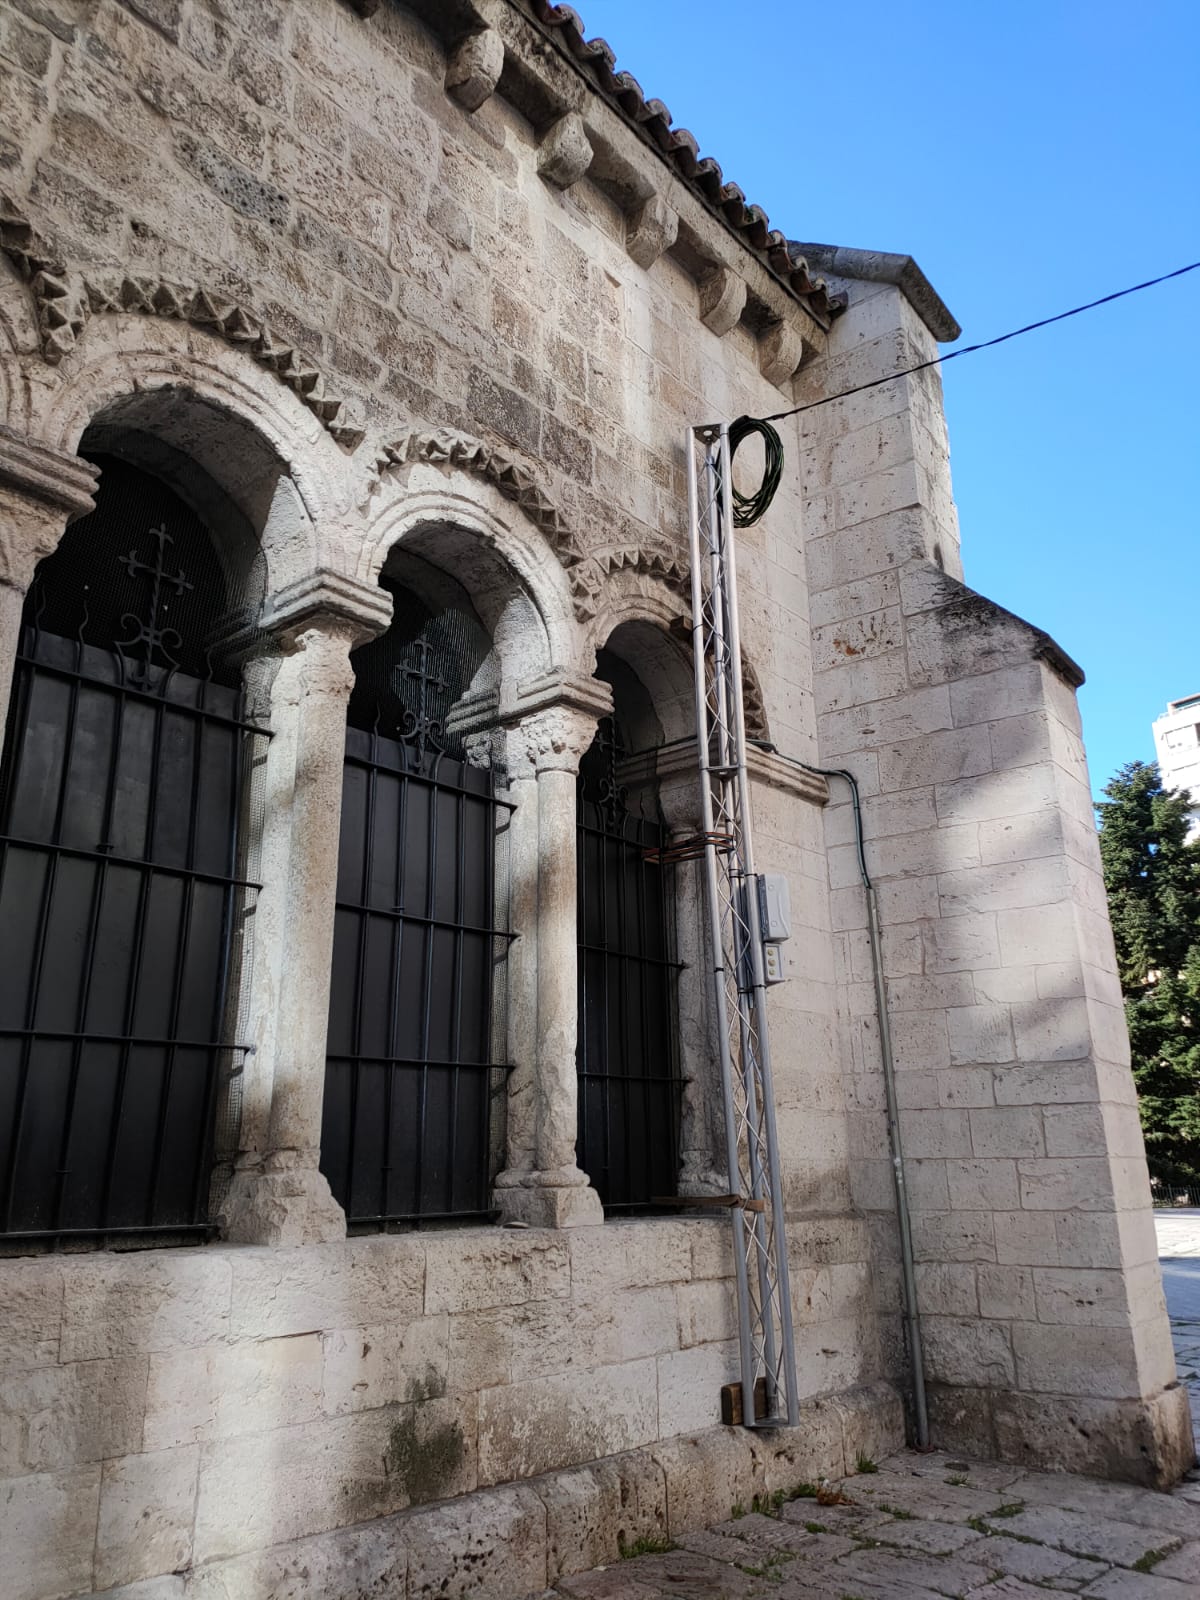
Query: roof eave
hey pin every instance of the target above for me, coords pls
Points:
(879, 266)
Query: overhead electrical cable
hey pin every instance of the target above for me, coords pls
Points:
(749, 508)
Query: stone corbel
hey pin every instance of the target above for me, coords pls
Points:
(565, 152)
(473, 69)
(651, 230)
(780, 352)
(722, 300)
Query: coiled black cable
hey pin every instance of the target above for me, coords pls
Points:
(748, 508)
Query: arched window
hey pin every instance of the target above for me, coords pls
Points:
(627, 1052)
(409, 1079)
(121, 886)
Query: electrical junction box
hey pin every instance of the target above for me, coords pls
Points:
(775, 922)
(774, 908)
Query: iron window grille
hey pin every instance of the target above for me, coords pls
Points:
(123, 884)
(410, 1079)
(627, 1053)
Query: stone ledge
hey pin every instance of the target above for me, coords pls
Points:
(513, 1540)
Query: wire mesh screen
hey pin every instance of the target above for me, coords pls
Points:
(121, 889)
(629, 1087)
(406, 1134)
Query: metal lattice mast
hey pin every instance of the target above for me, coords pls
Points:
(752, 1148)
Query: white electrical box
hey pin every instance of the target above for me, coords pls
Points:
(774, 907)
(775, 922)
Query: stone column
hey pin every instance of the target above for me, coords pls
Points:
(278, 1195)
(41, 490)
(555, 722)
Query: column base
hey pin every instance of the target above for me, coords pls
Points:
(282, 1202)
(561, 1198)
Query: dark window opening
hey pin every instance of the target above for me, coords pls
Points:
(627, 1054)
(122, 884)
(410, 1078)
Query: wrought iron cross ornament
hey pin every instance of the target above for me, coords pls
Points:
(148, 629)
(418, 725)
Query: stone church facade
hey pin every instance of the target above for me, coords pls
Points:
(356, 1053)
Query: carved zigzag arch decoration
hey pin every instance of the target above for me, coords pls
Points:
(63, 303)
(453, 451)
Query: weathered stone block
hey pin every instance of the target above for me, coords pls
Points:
(52, 1417)
(493, 1544)
(277, 1293)
(966, 1351)
(145, 1302)
(363, 1368)
(31, 1309)
(218, 1391)
(560, 1421)
(497, 1270)
(49, 1522)
(147, 1507)
(265, 1489)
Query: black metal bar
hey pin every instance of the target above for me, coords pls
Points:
(181, 953)
(423, 778)
(425, 1061)
(130, 691)
(391, 913)
(635, 957)
(31, 1002)
(78, 853)
(98, 889)
(427, 978)
(394, 997)
(135, 969)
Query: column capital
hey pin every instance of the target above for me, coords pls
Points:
(327, 602)
(41, 490)
(552, 721)
(41, 472)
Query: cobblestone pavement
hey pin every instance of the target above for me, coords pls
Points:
(924, 1527)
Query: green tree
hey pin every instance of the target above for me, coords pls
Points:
(1152, 875)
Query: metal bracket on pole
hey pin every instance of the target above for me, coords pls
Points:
(752, 1146)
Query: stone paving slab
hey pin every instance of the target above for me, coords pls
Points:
(933, 1527)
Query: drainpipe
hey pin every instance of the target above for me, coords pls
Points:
(911, 1313)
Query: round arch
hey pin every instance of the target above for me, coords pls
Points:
(512, 577)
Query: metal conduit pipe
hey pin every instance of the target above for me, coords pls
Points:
(911, 1314)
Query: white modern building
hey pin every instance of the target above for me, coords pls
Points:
(1177, 749)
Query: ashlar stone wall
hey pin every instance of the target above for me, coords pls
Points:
(433, 279)
(1042, 1313)
(401, 282)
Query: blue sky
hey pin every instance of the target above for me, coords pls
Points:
(1031, 157)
